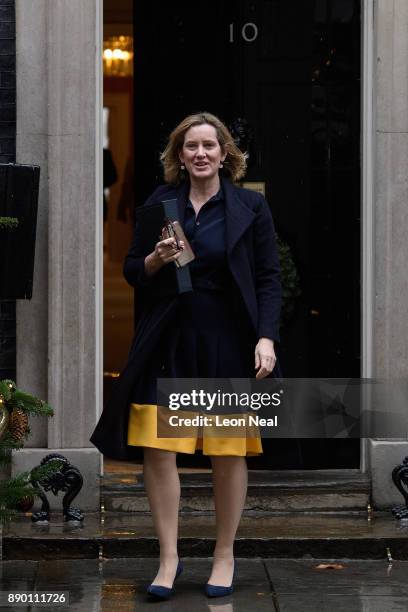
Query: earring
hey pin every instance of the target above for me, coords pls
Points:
(182, 167)
(221, 165)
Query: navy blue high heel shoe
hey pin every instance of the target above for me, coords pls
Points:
(157, 591)
(214, 590)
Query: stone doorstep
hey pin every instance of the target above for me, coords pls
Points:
(301, 536)
(203, 501)
(320, 490)
(278, 478)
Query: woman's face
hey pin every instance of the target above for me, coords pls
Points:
(201, 153)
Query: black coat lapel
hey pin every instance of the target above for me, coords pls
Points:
(238, 216)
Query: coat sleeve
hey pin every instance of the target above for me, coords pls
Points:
(133, 267)
(267, 273)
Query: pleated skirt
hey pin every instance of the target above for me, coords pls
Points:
(210, 337)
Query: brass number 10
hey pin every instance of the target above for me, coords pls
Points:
(249, 32)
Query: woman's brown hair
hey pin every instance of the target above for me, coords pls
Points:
(234, 165)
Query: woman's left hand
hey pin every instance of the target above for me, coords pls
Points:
(265, 357)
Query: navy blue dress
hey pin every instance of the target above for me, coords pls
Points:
(211, 335)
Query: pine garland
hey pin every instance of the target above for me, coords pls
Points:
(19, 405)
(15, 398)
(290, 279)
(29, 404)
(13, 490)
(8, 222)
(7, 444)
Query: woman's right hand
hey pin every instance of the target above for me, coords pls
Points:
(164, 252)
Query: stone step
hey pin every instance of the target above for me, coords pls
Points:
(299, 535)
(284, 491)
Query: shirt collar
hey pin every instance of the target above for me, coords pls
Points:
(215, 198)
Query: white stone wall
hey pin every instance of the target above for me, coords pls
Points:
(59, 332)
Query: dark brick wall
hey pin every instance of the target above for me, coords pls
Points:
(7, 154)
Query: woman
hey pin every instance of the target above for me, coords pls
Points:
(225, 327)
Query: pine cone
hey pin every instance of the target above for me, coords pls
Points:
(18, 425)
(4, 417)
(25, 504)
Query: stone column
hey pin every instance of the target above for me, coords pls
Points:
(59, 332)
(390, 291)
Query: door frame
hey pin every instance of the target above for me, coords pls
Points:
(367, 156)
(367, 148)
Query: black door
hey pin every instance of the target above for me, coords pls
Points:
(288, 72)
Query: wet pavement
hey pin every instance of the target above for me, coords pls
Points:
(277, 585)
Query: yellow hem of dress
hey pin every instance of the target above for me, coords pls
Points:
(142, 431)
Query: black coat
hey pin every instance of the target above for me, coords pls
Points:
(254, 264)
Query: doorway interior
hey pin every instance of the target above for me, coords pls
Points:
(288, 76)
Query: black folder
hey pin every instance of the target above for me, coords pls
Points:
(151, 220)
